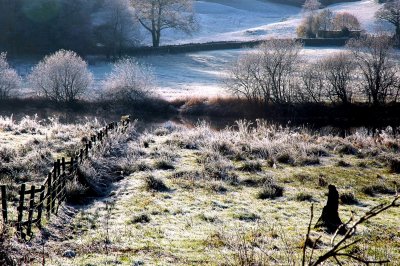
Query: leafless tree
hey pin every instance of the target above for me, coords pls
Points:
(325, 20)
(390, 12)
(311, 5)
(158, 15)
(129, 81)
(247, 79)
(374, 57)
(61, 77)
(338, 71)
(267, 75)
(118, 28)
(279, 59)
(311, 83)
(10, 81)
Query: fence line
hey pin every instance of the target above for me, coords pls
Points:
(35, 200)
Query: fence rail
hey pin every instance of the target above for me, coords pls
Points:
(34, 201)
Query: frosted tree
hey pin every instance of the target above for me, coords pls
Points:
(129, 81)
(61, 77)
(10, 81)
(267, 76)
(311, 6)
(390, 12)
(338, 70)
(374, 56)
(158, 15)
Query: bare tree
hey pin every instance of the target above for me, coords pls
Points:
(311, 5)
(390, 12)
(247, 79)
(117, 27)
(311, 83)
(267, 75)
(10, 81)
(325, 20)
(338, 71)
(279, 59)
(158, 15)
(129, 81)
(61, 77)
(374, 57)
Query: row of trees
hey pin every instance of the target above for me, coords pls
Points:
(315, 20)
(326, 20)
(276, 73)
(63, 77)
(83, 26)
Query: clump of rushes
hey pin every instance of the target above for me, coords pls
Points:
(270, 191)
(250, 166)
(155, 184)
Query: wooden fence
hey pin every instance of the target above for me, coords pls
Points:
(35, 201)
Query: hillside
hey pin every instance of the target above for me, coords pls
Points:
(301, 2)
(245, 20)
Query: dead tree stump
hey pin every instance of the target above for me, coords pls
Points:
(330, 219)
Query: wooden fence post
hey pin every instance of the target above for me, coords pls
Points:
(30, 211)
(81, 156)
(58, 167)
(63, 165)
(40, 207)
(21, 210)
(54, 187)
(49, 194)
(4, 203)
(71, 167)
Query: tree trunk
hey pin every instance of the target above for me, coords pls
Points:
(330, 219)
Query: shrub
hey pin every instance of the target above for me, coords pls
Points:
(155, 184)
(61, 77)
(129, 82)
(270, 191)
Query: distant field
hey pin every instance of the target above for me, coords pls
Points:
(301, 2)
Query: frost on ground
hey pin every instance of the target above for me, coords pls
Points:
(28, 147)
(245, 20)
(202, 73)
(205, 197)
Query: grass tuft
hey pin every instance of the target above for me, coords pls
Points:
(155, 184)
(270, 191)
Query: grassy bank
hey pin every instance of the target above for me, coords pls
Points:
(198, 196)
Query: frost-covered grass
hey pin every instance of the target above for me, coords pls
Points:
(246, 188)
(29, 146)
